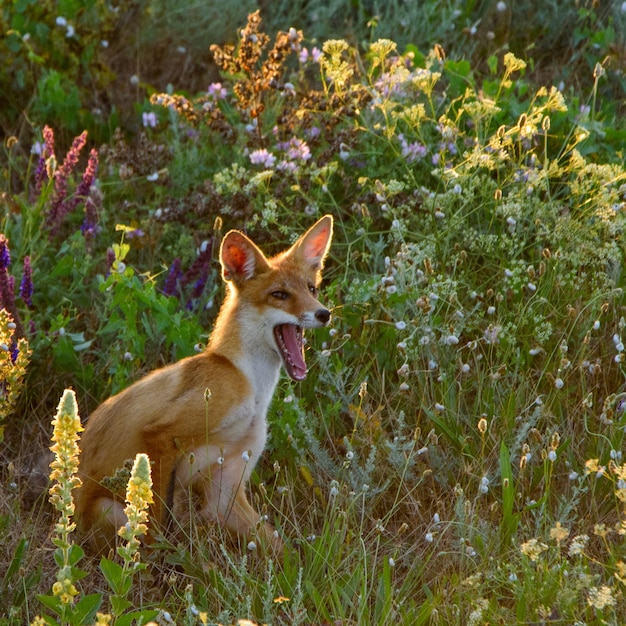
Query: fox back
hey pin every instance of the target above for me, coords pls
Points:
(202, 421)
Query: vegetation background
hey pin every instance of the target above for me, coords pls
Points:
(455, 455)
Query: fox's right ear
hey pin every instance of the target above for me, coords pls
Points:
(240, 258)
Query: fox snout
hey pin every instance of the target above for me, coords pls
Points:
(322, 316)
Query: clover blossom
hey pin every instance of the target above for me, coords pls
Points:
(262, 157)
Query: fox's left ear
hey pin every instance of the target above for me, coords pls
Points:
(240, 258)
(314, 244)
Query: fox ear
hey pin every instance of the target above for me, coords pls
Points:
(240, 258)
(314, 244)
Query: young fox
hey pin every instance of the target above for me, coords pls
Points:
(202, 421)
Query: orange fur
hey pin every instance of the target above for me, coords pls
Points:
(196, 418)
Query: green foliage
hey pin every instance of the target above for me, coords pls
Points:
(52, 61)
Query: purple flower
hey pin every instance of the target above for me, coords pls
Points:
(7, 286)
(262, 157)
(14, 350)
(298, 150)
(5, 255)
(58, 207)
(46, 151)
(26, 286)
(413, 151)
(149, 119)
(174, 275)
(216, 91)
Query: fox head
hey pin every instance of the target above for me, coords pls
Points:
(281, 291)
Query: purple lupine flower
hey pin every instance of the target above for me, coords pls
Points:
(198, 273)
(13, 349)
(7, 286)
(110, 259)
(170, 288)
(58, 207)
(90, 227)
(26, 286)
(5, 255)
(88, 179)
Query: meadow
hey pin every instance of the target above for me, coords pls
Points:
(455, 455)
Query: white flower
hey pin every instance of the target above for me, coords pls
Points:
(401, 325)
(552, 455)
(439, 407)
(573, 475)
(251, 546)
(61, 21)
(245, 455)
(349, 455)
(152, 177)
(558, 383)
(429, 537)
(452, 340)
(392, 563)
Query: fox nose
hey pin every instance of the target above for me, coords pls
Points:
(322, 315)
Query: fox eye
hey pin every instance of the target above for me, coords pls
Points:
(313, 289)
(279, 295)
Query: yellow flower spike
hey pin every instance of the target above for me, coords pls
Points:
(138, 498)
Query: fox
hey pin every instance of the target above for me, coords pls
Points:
(202, 421)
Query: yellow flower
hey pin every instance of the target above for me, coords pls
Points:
(600, 597)
(533, 549)
(558, 533)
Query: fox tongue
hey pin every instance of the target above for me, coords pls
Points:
(289, 342)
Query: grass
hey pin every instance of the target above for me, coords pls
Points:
(455, 455)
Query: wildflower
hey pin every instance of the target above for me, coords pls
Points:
(216, 91)
(58, 206)
(600, 597)
(429, 537)
(533, 549)
(149, 119)
(558, 533)
(170, 288)
(484, 485)
(65, 437)
(138, 498)
(262, 157)
(26, 286)
(578, 545)
(552, 455)
(245, 455)
(152, 177)
(87, 181)
(401, 325)
(251, 546)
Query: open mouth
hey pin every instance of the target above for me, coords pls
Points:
(289, 342)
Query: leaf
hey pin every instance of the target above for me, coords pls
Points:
(86, 608)
(14, 566)
(138, 618)
(510, 520)
(114, 574)
(119, 604)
